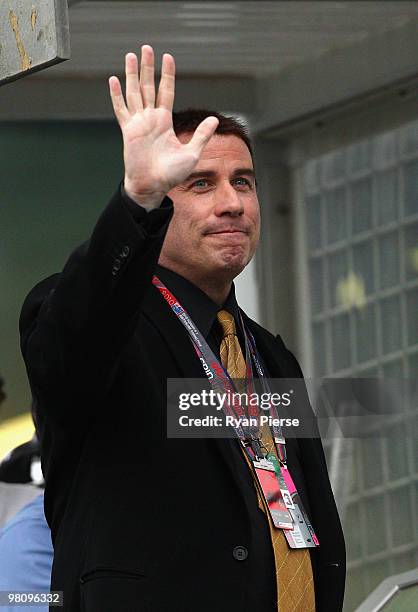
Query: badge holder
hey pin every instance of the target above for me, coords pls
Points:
(302, 535)
(266, 476)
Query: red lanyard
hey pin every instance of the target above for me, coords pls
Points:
(289, 513)
(221, 381)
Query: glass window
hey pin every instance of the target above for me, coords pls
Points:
(387, 197)
(416, 495)
(391, 329)
(412, 316)
(411, 188)
(409, 139)
(354, 476)
(411, 251)
(413, 365)
(393, 369)
(312, 176)
(376, 524)
(372, 461)
(413, 433)
(313, 209)
(354, 543)
(358, 157)
(320, 349)
(366, 337)
(340, 333)
(363, 264)
(400, 513)
(332, 168)
(384, 150)
(335, 206)
(363, 279)
(317, 285)
(361, 205)
(371, 372)
(389, 269)
(338, 272)
(397, 451)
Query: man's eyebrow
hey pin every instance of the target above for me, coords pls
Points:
(202, 173)
(212, 173)
(247, 171)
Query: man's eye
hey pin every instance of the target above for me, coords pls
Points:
(204, 182)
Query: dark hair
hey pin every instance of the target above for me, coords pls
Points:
(186, 121)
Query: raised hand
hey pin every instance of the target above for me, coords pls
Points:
(155, 160)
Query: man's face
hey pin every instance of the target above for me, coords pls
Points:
(216, 222)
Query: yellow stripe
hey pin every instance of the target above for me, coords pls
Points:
(15, 431)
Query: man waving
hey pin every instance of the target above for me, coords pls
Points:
(141, 522)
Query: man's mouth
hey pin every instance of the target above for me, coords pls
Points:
(226, 231)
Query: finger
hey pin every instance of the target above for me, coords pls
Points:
(203, 133)
(165, 98)
(118, 101)
(133, 96)
(146, 78)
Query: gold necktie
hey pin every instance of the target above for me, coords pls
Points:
(295, 588)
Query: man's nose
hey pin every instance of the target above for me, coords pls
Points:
(228, 201)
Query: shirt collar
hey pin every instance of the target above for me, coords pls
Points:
(199, 306)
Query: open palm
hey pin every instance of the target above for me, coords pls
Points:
(155, 160)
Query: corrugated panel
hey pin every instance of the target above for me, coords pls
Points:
(240, 38)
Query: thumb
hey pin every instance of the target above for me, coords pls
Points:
(203, 133)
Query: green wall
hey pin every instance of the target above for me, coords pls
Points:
(55, 178)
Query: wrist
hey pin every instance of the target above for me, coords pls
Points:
(148, 200)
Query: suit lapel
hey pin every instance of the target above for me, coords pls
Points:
(172, 332)
(178, 343)
(271, 352)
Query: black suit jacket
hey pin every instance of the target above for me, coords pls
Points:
(141, 522)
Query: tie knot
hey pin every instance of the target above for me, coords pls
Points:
(227, 323)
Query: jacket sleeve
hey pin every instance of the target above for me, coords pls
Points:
(75, 325)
